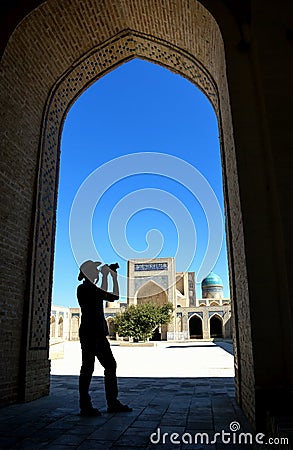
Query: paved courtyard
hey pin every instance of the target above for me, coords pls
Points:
(183, 388)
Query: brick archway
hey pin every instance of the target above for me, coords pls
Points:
(85, 45)
(120, 49)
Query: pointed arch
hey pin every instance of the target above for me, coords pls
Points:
(151, 292)
(74, 327)
(195, 327)
(60, 327)
(216, 326)
(62, 68)
(52, 327)
(110, 323)
(214, 304)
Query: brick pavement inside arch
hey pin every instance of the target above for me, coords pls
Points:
(171, 404)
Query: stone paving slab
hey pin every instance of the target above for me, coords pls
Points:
(162, 406)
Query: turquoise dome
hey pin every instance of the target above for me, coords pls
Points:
(212, 280)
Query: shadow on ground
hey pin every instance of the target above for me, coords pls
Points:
(191, 345)
(170, 405)
(225, 345)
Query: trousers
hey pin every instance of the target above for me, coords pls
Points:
(101, 350)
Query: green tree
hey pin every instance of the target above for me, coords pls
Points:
(140, 321)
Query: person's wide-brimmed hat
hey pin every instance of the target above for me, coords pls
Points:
(88, 269)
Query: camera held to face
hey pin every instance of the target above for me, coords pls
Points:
(113, 266)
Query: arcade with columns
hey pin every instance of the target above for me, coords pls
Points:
(157, 281)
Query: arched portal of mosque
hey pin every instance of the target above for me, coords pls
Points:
(73, 66)
(195, 327)
(151, 292)
(216, 326)
(156, 335)
(111, 328)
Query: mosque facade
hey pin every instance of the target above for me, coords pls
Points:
(158, 282)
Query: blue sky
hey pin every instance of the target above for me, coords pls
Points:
(139, 107)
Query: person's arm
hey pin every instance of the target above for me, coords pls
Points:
(115, 283)
(104, 271)
(110, 296)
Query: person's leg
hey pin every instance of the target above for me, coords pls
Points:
(86, 371)
(107, 360)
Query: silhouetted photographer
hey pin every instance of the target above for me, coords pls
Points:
(93, 333)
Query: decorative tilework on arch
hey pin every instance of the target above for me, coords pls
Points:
(100, 60)
(219, 313)
(197, 313)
